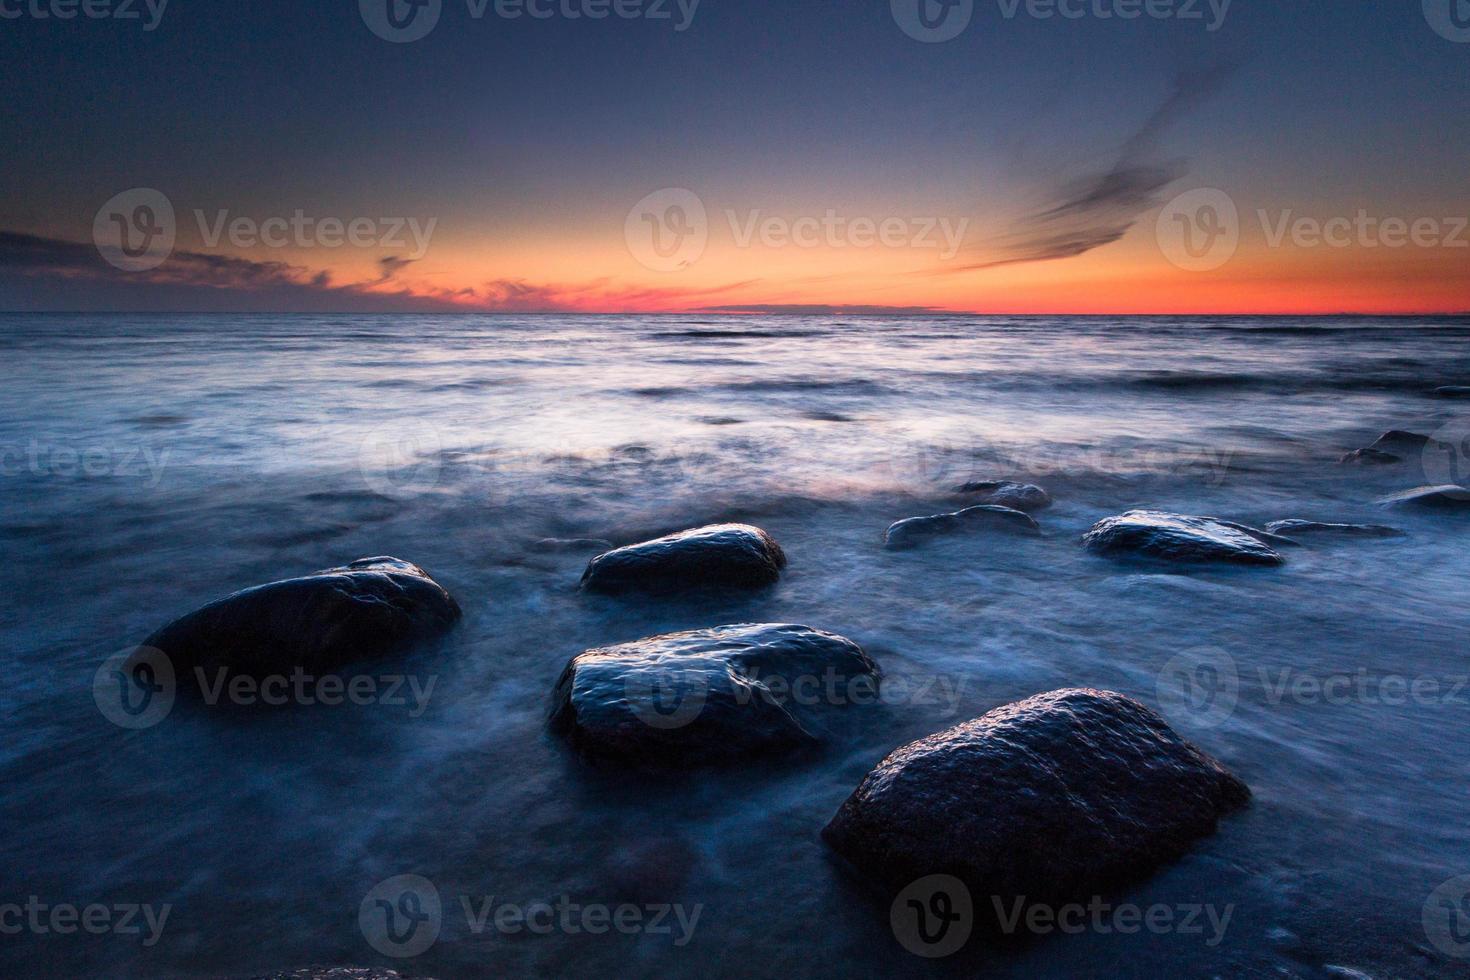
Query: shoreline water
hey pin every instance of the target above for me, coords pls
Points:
(264, 833)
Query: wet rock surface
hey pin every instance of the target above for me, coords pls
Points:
(916, 530)
(1447, 496)
(1453, 391)
(1400, 441)
(371, 608)
(1051, 799)
(705, 696)
(1370, 457)
(1300, 528)
(338, 973)
(1017, 496)
(721, 555)
(1182, 538)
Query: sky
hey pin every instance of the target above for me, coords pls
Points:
(989, 156)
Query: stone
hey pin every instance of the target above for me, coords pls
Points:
(1181, 538)
(707, 696)
(369, 609)
(722, 555)
(1057, 798)
(915, 530)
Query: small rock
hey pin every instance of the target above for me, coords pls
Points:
(1370, 457)
(703, 697)
(1446, 497)
(910, 532)
(1453, 391)
(1397, 441)
(1176, 537)
(734, 555)
(557, 545)
(320, 622)
(1347, 530)
(336, 973)
(1048, 800)
(1016, 496)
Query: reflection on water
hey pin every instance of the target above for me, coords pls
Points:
(154, 463)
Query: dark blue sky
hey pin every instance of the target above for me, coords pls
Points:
(534, 130)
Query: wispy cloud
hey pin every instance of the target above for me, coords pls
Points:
(38, 272)
(1099, 208)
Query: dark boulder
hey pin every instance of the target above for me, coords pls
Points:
(1446, 497)
(371, 608)
(1017, 496)
(911, 532)
(728, 555)
(1176, 537)
(1053, 799)
(1298, 527)
(706, 696)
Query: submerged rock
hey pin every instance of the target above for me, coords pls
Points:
(1176, 537)
(558, 545)
(1400, 442)
(319, 622)
(1370, 457)
(1453, 391)
(1052, 799)
(914, 530)
(1449, 496)
(706, 696)
(1017, 496)
(335, 973)
(1347, 530)
(734, 555)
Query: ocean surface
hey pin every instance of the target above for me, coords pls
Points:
(153, 463)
